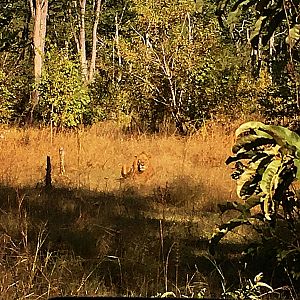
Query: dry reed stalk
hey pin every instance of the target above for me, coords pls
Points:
(62, 169)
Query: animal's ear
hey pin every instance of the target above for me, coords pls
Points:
(144, 153)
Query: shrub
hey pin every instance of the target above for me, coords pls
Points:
(64, 98)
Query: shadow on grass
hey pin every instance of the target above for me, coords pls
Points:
(124, 237)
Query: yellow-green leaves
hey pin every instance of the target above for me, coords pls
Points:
(269, 156)
(294, 35)
(280, 135)
(248, 181)
(297, 165)
(251, 141)
(266, 164)
(64, 97)
(269, 181)
(263, 19)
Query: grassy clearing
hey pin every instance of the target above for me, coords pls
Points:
(94, 157)
(92, 234)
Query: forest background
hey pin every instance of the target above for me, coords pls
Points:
(105, 80)
(147, 65)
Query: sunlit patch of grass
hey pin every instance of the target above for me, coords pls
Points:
(93, 158)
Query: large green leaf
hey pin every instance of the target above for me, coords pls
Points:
(266, 202)
(248, 187)
(245, 155)
(246, 127)
(297, 165)
(286, 175)
(251, 141)
(244, 208)
(280, 134)
(249, 180)
(294, 35)
(244, 181)
(283, 135)
(270, 178)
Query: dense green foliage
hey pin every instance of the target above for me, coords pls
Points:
(268, 17)
(157, 66)
(267, 165)
(272, 29)
(64, 99)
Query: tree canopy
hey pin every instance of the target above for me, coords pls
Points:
(149, 66)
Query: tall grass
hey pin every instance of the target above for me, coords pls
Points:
(94, 234)
(94, 157)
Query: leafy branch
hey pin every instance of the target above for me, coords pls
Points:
(267, 162)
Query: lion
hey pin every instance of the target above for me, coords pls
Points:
(140, 167)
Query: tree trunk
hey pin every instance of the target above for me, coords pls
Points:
(83, 59)
(40, 11)
(94, 48)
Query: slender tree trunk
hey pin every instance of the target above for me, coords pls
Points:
(94, 48)
(117, 39)
(83, 59)
(31, 7)
(39, 35)
(40, 10)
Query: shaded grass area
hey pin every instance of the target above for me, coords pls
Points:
(77, 242)
(73, 242)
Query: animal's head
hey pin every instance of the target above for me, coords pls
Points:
(142, 162)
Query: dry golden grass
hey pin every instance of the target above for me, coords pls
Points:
(94, 234)
(93, 159)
